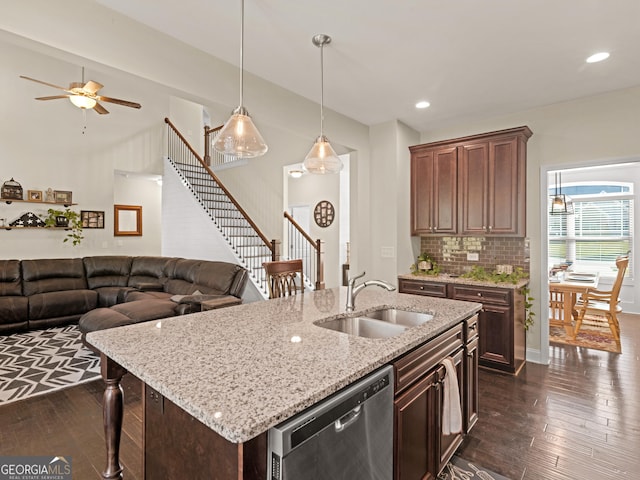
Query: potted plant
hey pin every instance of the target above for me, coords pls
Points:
(66, 219)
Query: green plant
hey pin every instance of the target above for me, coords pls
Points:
(424, 257)
(74, 225)
(528, 303)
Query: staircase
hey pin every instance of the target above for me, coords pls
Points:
(248, 243)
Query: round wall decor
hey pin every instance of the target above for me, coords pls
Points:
(324, 213)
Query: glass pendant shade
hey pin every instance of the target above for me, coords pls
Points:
(322, 158)
(239, 137)
(81, 101)
(560, 204)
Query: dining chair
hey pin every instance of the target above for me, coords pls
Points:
(605, 304)
(284, 277)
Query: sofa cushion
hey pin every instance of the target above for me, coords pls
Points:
(107, 271)
(10, 278)
(181, 276)
(51, 275)
(61, 304)
(149, 270)
(221, 278)
(13, 313)
(136, 295)
(109, 296)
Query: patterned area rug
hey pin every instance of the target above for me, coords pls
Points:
(42, 361)
(459, 469)
(591, 335)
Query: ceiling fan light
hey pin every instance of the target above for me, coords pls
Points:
(322, 158)
(239, 137)
(81, 101)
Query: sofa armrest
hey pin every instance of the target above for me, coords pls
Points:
(198, 303)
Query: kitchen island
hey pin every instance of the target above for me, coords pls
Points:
(241, 370)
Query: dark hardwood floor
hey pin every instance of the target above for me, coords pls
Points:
(578, 418)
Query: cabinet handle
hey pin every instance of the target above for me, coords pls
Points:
(469, 354)
(490, 228)
(421, 288)
(472, 327)
(484, 227)
(479, 294)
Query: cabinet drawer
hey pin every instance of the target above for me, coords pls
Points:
(470, 328)
(418, 287)
(418, 362)
(497, 296)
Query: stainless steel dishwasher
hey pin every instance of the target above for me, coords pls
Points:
(347, 436)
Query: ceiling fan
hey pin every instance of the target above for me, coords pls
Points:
(84, 95)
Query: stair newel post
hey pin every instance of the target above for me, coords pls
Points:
(275, 250)
(319, 264)
(207, 146)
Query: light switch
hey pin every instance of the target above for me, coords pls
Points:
(387, 252)
(473, 256)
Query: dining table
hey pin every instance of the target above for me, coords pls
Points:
(564, 289)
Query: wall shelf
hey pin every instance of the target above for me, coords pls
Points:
(9, 201)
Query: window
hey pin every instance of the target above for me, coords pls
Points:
(600, 229)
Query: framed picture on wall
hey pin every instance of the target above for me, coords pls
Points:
(62, 196)
(34, 195)
(127, 220)
(92, 219)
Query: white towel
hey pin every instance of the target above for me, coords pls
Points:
(451, 411)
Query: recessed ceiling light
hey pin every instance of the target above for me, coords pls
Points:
(598, 57)
(422, 104)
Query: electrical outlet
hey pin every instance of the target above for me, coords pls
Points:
(473, 256)
(387, 252)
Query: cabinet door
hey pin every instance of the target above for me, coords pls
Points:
(470, 408)
(445, 204)
(434, 205)
(421, 192)
(473, 188)
(448, 444)
(506, 191)
(496, 337)
(415, 445)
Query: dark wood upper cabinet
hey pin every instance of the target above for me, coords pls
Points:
(474, 185)
(434, 190)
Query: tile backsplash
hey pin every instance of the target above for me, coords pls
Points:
(451, 252)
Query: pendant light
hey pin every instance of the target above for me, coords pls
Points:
(560, 204)
(239, 137)
(322, 158)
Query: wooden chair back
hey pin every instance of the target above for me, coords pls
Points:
(284, 277)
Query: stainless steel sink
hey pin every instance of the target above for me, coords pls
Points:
(363, 327)
(400, 317)
(383, 323)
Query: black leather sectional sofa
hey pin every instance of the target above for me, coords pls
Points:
(110, 290)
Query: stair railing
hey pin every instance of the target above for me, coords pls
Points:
(311, 251)
(232, 220)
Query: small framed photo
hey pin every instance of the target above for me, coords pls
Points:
(34, 195)
(61, 196)
(92, 219)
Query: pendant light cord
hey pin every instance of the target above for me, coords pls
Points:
(241, 51)
(321, 89)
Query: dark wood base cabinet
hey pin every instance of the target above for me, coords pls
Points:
(502, 337)
(176, 445)
(421, 449)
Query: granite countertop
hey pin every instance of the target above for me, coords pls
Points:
(446, 278)
(241, 370)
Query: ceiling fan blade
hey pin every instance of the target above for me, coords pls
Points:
(119, 102)
(100, 109)
(54, 97)
(92, 87)
(43, 83)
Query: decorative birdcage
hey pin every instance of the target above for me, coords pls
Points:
(12, 190)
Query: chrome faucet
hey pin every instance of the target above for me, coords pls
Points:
(353, 291)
